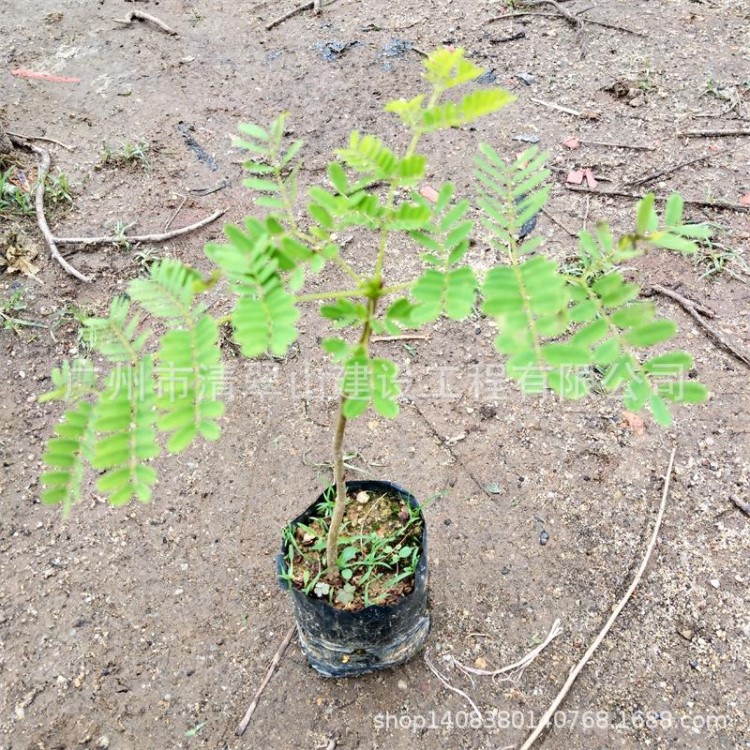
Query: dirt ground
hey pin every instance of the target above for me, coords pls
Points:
(151, 627)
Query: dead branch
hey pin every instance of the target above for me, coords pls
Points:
(171, 219)
(44, 165)
(541, 14)
(161, 237)
(559, 223)
(515, 670)
(557, 107)
(299, 9)
(269, 674)
(41, 138)
(545, 720)
(606, 144)
(693, 310)
(400, 337)
(718, 205)
(669, 170)
(450, 687)
(712, 133)
(139, 15)
(741, 504)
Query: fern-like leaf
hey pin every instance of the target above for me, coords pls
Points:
(190, 379)
(117, 336)
(124, 422)
(65, 456)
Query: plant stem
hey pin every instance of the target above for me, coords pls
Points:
(332, 541)
(329, 295)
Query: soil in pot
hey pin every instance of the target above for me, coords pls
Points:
(376, 616)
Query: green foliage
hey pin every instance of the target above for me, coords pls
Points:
(558, 329)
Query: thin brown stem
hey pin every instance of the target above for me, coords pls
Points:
(332, 541)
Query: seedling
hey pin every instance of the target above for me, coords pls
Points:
(557, 331)
(58, 189)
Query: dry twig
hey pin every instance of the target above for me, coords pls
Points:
(669, 170)
(139, 15)
(559, 223)
(711, 133)
(400, 337)
(163, 237)
(558, 107)
(41, 219)
(450, 687)
(41, 138)
(515, 670)
(299, 9)
(174, 215)
(603, 24)
(544, 721)
(694, 310)
(606, 144)
(269, 674)
(718, 205)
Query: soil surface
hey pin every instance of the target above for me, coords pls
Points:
(151, 627)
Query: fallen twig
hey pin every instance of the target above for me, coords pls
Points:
(741, 504)
(545, 720)
(711, 133)
(718, 205)
(606, 144)
(41, 219)
(450, 687)
(401, 337)
(140, 237)
(269, 674)
(174, 215)
(684, 301)
(515, 670)
(139, 15)
(669, 170)
(41, 138)
(299, 9)
(559, 223)
(541, 14)
(557, 107)
(694, 310)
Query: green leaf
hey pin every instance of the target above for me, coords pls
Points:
(124, 422)
(660, 411)
(72, 381)
(646, 219)
(683, 391)
(117, 336)
(651, 333)
(65, 456)
(567, 384)
(673, 363)
(637, 314)
(168, 290)
(566, 354)
(673, 210)
(262, 186)
(253, 131)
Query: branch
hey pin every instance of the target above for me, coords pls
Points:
(269, 674)
(141, 16)
(694, 310)
(41, 219)
(161, 237)
(718, 205)
(545, 720)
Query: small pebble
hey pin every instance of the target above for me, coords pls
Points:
(402, 685)
(543, 538)
(715, 582)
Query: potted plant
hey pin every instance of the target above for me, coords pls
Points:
(356, 559)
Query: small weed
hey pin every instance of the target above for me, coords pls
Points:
(146, 256)
(58, 188)
(135, 153)
(13, 198)
(10, 308)
(195, 17)
(714, 258)
(131, 152)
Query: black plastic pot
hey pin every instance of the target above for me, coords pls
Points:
(338, 643)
